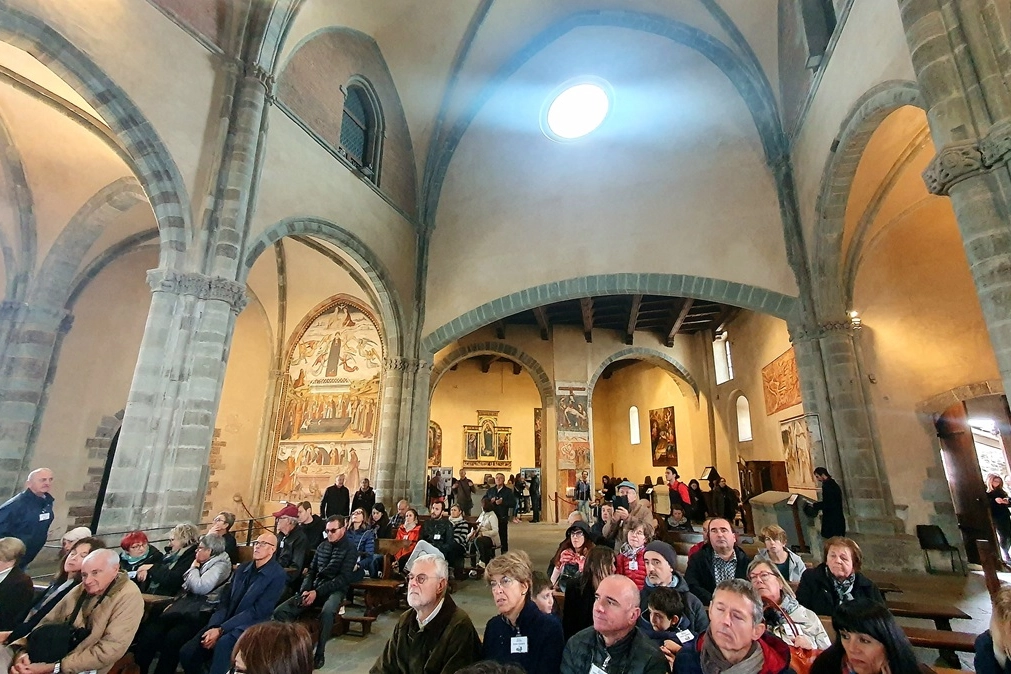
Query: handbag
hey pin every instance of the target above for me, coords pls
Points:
(186, 606)
(801, 659)
(55, 641)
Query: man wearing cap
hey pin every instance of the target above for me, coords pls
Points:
(638, 509)
(661, 571)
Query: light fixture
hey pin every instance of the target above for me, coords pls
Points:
(576, 108)
(855, 320)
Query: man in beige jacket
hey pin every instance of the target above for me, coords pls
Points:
(112, 609)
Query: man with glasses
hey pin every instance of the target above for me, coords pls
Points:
(434, 635)
(326, 583)
(256, 587)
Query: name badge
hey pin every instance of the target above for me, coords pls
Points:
(518, 645)
(437, 537)
(281, 545)
(594, 669)
(633, 565)
(684, 636)
(44, 516)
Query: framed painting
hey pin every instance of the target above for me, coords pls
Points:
(663, 440)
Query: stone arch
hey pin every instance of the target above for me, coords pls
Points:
(150, 159)
(935, 405)
(545, 386)
(678, 372)
(869, 111)
(670, 285)
(390, 308)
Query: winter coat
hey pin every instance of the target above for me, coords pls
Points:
(153, 556)
(694, 610)
(487, 525)
(505, 508)
(336, 501)
(777, 656)
(833, 521)
(817, 591)
(624, 564)
(293, 549)
(679, 494)
(209, 579)
(365, 500)
(807, 623)
(634, 654)
(16, 594)
(251, 597)
(447, 644)
(113, 621)
(986, 657)
(331, 568)
(363, 540)
(166, 577)
(52, 596)
(27, 517)
(545, 640)
(231, 546)
(700, 576)
(797, 566)
(404, 535)
(438, 532)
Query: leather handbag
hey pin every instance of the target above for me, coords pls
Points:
(55, 641)
(801, 659)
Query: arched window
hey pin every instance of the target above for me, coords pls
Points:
(361, 130)
(633, 425)
(743, 420)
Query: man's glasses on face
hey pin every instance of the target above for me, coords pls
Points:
(333, 531)
(259, 543)
(419, 579)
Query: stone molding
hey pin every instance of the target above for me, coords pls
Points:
(808, 333)
(257, 72)
(406, 364)
(200, 286)
(958, 161)
(13, 310)
(996, 146)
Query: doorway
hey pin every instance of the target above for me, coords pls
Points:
(104, 485)
(974, 438)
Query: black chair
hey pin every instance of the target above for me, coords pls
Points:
(931, 537)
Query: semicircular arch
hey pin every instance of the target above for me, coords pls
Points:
(678, 372)
(545, 387)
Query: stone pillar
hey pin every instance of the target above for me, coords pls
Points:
(159, 477)
(385, 455)
(961, 54)
(31, 333)
(412, 458)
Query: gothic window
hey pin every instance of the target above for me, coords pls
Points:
(633, 425)
(361, 130)
(743, 420)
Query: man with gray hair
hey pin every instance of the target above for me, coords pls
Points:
(292, 550)
(28, 515)
(736, 641)
(107, 603)
(434, 635)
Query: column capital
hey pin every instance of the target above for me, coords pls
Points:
(816, 331)
(407, 364)
(200, 286)
(953, 163)
(996, 146)
(260, 74)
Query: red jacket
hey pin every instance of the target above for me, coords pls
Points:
(404, 535)
(638, 574)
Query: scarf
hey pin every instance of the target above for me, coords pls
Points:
(131, 559)
(713, 662)
(844, 587)
(455, 520)
(630, 552)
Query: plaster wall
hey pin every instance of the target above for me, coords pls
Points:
(462, 392)
(109, 319)
(325, 189)
(519, 210)
(923, 335)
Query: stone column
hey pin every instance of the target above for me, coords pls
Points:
(31, 333)
(159, 477)
(413, 455)
(961, 53)
(385, 455)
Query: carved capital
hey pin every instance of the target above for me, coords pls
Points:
(953, 164)
(401, 364)
(996, 146)
(256, 72)
(212, 288)
(808, 333)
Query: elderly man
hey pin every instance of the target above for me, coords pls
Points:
(637, 510)
(325, 585)
(613, 644)
(398, 518)
(504, 501)
(16, 590)
(312, 524)
(336, 499)
(661, 571)
(256, 587)
(738, 634)
(292, 550)
(110, 606)
(28, 515)
(434, 635)
(719, 560)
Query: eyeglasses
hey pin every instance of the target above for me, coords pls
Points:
(420, 579)
(505, 583)
(332, 531)
(764, 577)
(236, 670)
(258, 543)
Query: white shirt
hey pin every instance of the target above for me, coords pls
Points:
(431, 616)
(5, 573)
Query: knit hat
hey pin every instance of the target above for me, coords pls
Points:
(379, 508)
(626, 483)
(77, 534)
(664, 550)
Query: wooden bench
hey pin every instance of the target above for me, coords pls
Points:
(388, 547)
(942, 640)
(342, 623)
(381, 594)
(245, 553)
(941, 615)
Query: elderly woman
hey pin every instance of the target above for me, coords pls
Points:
(520, 633)
(868, 641)
(789, 563)
(184, 617)
(784, 616)
(993, 646)
(579, 595)
(837, 580)
(16, 589)
(166, 576)
(68, 578)
(137, 551)
(222, 526)
(571, 554)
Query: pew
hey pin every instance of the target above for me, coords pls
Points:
(941, 615)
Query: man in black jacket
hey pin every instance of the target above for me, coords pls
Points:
(438, 532)
(719, 560)
(326, 583)
(292, 550)
(504, 501)
(365, 498)
(336, 500)
(833, 521)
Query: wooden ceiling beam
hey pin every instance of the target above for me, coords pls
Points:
(633, 318)
(486, 362)
(541, 314)
(679, 321)
(517, 368)
(500, 329)
(586, 308)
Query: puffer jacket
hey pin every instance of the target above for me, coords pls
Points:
(629, 558)
(777, 656)
(634, 654)
(113, 621)
(331, 568)
(363, 540)
(208, 580)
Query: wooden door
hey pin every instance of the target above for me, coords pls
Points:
(777, 473)
(958, 452)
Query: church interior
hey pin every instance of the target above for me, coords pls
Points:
(349, 238)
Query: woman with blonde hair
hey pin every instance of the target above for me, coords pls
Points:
(784, 616)
(993, 647)
(788, 562)
(166, 577)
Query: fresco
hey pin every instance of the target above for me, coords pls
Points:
(329, 409)
(781, 383)
(799, 436)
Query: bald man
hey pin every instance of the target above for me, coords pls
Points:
(256, 588)
(613, 639)
(28, 515)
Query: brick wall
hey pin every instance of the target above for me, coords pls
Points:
(213, 502)
(310, 86)
(82, 502)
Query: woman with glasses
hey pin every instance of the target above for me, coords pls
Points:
(137, 552)
(784, 616)
(571, 554)
(184, 617)
(273, 648)
(166, 576)
(520, 633)
(222, 526)
(363, 539)
(868, 641)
